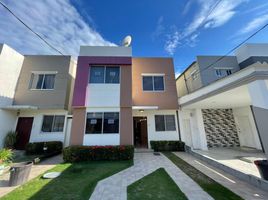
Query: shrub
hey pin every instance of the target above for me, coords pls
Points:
(53, 147)
(92, 153)
(10, 140)
(5, 155)
(167, 145)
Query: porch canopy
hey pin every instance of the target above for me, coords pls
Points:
(245, 93)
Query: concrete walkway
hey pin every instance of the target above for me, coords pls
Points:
(243, 189)
(35, 171)
(115, 187)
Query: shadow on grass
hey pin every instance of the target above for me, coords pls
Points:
(77, 181)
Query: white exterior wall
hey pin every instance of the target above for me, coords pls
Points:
(102, 139)
(7, 123)
(249, 50)
(36, 134)
(192, 128)
(247, 132)
(103, 95)
(10, 66)
(158, 135)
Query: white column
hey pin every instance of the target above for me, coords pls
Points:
(259, 100)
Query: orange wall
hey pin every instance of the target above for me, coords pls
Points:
(164, 100)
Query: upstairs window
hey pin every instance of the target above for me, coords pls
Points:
(228, 72)
(153, 83)
(165, 123)
(53, 123)
(218, 72)
(104, 74)
(42, 81)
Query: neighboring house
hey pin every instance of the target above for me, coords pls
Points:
(119, 99)
(40, 94)
(226, 104)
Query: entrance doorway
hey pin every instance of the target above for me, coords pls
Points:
(140, 132)
(24, 128)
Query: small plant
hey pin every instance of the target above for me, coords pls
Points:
(10, 140)
(5, 155)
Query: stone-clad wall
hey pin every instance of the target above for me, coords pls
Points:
(220, 128)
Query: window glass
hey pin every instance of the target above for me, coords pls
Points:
(49, 81)
(228, 72)
(47, 123)
(97, 74)
(159, 122)
(147, 82)
(94, 123)
(218, 72)
(112, 75)
(58, 123)
(158, 83)
(170, 123)
(111, 122)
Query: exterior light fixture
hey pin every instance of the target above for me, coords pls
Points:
(141, 110)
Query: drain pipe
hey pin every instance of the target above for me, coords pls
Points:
(178, 122)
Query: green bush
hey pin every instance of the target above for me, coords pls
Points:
(92, 153)
(53, 147)
(167, 145)
(5, 155)
(10, 140)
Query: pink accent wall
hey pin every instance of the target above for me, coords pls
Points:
(82, 74)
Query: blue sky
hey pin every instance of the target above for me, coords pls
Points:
(177, 28)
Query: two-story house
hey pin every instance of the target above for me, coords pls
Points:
(224, 100)
(37, 92)
(119, 99)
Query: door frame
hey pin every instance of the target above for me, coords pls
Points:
(30, 131)
(147, 141)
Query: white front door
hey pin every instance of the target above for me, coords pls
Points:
(245, 132)
(187, 132)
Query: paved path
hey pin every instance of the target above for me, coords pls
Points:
(243, 189)
(35, 171)
(115, 187)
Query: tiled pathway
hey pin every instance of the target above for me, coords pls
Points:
(243, 189)
(115, 187)
(35, 171)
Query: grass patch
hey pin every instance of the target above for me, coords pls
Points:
(214, 189)
(157, 185)
(77, 181)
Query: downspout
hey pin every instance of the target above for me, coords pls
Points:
(178, 122)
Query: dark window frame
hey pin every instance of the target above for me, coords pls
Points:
(105, 67)
(153, 83)
(103, 123)
(52, 128)
(165, 123)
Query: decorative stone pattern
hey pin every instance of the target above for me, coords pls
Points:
(220, 128)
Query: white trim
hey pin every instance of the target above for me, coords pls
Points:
(153, 74)
(144, 107)
(44, 72)
(224, 68)
(20, 107)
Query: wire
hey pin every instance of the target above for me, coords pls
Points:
(28, 27)
(230, 51)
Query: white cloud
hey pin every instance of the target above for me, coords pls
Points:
(254, 24)
(172, 42)
(58, 21)
(224, 11)
(159, 30)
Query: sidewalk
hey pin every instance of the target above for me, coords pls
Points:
(35, 171)
(237, 186)
(115, 187)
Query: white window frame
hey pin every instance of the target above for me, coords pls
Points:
(153, 75)
(53, 124)
(33, 73)
(218, 72)
(194, 74)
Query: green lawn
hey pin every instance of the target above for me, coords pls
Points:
(77, 181)
(157, 185)
(214, 189)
